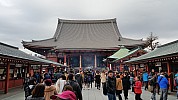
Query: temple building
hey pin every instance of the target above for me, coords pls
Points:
(83, 43)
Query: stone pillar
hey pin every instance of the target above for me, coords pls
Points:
(95, 61)
(7, 78)
(80, 62)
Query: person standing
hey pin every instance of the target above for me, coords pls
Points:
(103, 78)
(111, 86)
(138, 88)
(37, 93)
(145, 79)
(163, 83)
(79, 79)
(119, 87)
(126, 85)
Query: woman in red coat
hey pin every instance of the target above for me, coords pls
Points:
(137, 89)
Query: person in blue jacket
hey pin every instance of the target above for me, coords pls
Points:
(163, 83)
(145, 79)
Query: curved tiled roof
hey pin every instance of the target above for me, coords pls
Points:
(85, 34)
(164, 50)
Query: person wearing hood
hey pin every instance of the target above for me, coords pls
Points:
(49, 89)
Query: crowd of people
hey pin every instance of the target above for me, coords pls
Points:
(68, 85)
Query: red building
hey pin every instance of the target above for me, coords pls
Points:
(82, 43)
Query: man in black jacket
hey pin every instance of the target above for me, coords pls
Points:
(75, 86)
(111, 86)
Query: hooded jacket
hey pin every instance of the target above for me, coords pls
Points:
(49, 91)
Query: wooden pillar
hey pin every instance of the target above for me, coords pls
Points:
(169, 71)
(7, 78)
(95, 62)
(80, 62)
(68, 61)
(65, 60)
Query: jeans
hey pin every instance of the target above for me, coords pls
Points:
(163, 95)
(111, 96)
(153, 96)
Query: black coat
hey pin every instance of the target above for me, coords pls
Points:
(111, 85)
(126, 83)
(98, 78)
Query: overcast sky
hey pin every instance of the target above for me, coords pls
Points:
(37, 19)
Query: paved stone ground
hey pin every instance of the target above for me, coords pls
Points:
(92, 94)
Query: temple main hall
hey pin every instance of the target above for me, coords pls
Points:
(83, 43)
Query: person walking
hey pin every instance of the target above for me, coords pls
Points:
(153, 83)
(119, 87)
(138, 89)
(60, 83)
(49, 89)
(111, 86)
(98, 80)
(145, 79)
(126, 85)
(75, 86)
(163, 83)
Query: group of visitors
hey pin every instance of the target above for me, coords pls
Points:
(66, 87)
(116, 83)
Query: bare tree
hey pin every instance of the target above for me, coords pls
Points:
(151, 42)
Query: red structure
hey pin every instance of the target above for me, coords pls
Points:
(82, 43)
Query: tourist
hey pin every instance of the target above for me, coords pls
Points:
(126, 85)
(49, 89)
(145, 79)
(60, 83)
(98, 80)
(29, 87)
(79, 79)
(138, 89)
(38, 92)
(153, 83)
(176, 82)
(86, 86)
(75, 86)
(90, 79)
(111, 86)
(163, 83)
(103, 78)
(119, 87)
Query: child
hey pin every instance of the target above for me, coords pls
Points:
(137, 88)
